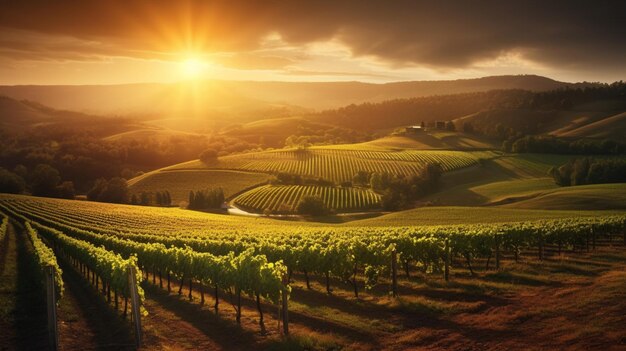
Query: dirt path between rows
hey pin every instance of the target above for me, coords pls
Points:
(22, 305)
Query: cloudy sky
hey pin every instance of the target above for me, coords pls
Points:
(128, 41)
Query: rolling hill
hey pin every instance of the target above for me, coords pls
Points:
(179, 183)
(613, 127)
(241, 96)
(581, 197)
(338, 164)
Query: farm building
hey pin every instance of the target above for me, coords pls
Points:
(414, 130)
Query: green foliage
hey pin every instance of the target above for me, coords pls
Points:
(312, 206)
(113, 191)
(583, 171)
(399, 191)
(3, 227)
(208, 156)
(66, 190)
(44, 180)
(10, 182)
(206, 199)
(227, 255)
(554, 145)
(285, 198)
(45, 258)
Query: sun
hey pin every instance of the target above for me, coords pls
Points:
(193, 68)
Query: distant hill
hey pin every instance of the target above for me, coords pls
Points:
(613, 127)
(14, 112)
(20, 116)
(273, 132)
(271, 99)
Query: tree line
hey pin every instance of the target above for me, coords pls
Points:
(587, 170)
(206, 199)
(554, 145)
(43, 180)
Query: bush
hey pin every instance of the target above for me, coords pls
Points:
(10, 182)
(66, 190)
(589, 171)
(206, 199)
(113, 191)
(312, 206)
(45, 180)
(208, 156)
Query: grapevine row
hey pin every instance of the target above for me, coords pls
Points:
(285, 198)
(342, 165)
(45, 257)
(346, 252)
(245, 272)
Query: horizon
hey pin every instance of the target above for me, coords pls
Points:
(315, 82)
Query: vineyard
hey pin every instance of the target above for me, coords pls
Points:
(285, 198)
(180, 183)
(340, 165)
(262, 260)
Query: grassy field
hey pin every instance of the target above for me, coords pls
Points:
(285, 198)
(504, 176)
(179, 183)
(424, 141)
(599, 196)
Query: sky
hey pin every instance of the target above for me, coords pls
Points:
(131, 41)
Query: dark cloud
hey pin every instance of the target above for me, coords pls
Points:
(438, 34)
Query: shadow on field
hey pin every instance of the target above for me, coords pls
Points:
(222, 331)
(31, 318)
(109, 330)
(4, 248)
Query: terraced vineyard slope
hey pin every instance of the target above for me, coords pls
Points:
(180, 183)
(285, 198)
(340, 165)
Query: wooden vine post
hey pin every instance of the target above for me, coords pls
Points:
(394, 273)
(285, 307)
(446, 271)
(51, 297)
(135, 304)
(497, 240)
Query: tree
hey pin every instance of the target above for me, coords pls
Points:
(312, 205)
(127, 174)
(361, 178)
(10, 182)
(468, 127)
(208, 156)
(191, 200)
(21, 171)
(144, 199)
(393, 200)
(114, 191)
(45, 180)
(66, 190)
(450, 126)
(99, 186)
(375, 181)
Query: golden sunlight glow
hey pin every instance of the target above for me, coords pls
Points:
(193, 68)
